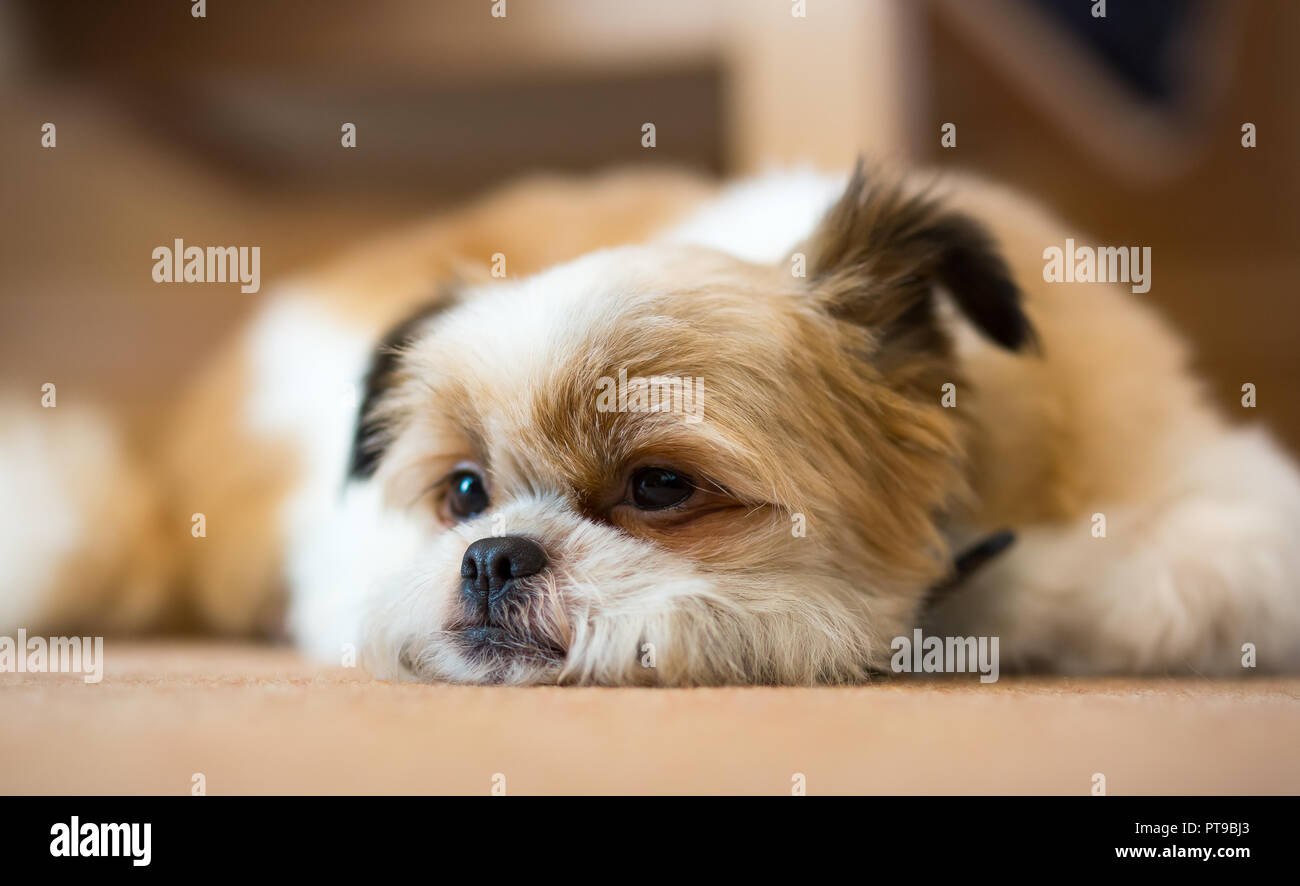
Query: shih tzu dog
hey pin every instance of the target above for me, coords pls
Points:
(642, 430)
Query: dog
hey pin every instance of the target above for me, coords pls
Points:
(645, 429)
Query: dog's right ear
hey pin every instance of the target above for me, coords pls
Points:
(369, 439)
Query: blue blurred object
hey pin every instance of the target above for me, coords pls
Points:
(1136, 40)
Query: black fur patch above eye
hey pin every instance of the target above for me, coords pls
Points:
(367, 439)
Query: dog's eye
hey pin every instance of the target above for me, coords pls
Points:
(467, 495)
(656, 488)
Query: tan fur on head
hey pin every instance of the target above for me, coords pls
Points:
(813, 411)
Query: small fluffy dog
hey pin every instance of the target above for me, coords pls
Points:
(639, 429)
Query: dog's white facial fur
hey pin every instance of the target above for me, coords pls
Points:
(819, 470)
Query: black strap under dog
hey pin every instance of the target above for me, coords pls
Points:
(966, 563)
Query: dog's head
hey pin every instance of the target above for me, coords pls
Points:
(663, 465)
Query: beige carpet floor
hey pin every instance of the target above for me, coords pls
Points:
(262, 720)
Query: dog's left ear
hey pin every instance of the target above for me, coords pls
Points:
(879, 253)
(368, 439)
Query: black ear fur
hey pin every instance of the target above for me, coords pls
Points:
(972, 270)
(367, 439)
(880, 252)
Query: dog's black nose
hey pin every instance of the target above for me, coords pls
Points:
(490, 563)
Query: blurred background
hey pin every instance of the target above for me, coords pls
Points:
(226, 130)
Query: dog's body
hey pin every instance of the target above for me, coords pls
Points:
(876, 395)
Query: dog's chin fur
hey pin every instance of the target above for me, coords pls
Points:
(616, 610)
